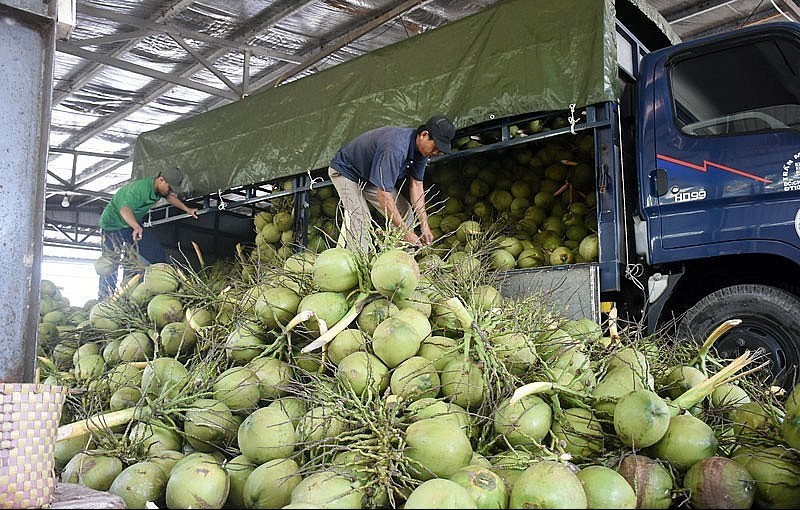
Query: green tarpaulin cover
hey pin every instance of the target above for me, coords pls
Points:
(520, 56)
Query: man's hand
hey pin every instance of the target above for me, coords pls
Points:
(137, 233)
(427, 235)
(192, 211)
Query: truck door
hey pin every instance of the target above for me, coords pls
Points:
(725, 138)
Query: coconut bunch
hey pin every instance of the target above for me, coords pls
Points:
(399, 378)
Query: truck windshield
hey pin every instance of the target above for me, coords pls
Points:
(751, 87)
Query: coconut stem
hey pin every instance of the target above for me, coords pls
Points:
(199, 254)
(96, 423)
(361, 300)
(701, 390)
(702, 353)
(541, 387)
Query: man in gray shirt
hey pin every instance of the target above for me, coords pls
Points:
(372, 168)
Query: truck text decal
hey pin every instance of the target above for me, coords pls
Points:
(791, 173)
(706, 164)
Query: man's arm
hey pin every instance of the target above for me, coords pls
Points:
(173, 199)
(127, 215)
(389, 206)
(416, 191)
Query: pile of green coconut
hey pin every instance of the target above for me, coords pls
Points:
(400, 378)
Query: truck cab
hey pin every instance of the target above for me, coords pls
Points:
(716, 223)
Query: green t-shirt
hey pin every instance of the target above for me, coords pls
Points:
(139, 195)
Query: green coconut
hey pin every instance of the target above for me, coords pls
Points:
(201, 483)
(605, 488)
(135, 346)
(415, 378)
(124, 398)
(729, 395)
(320, 423)
(139, 483)
(166, 377)
(65, 449)
(687, 440)
(207, 424)
(428, 407)
(346, 342)
(439, 350)
(335, 270)
(245, 342)
(293, 407)
(266, 434)
(776, 472)
(161, 278)
(547, 484)
(680, 379)
(440, 493)
(641, 418)
(651, 481)
(579, 431)
(104, 316)
(374, 313)
(395, 340)
(362, 370)
(270, 485)
(510, 464)
(719, 482)
(326, 489)
(238, 388)
(416, 319)
(485, 486)
(163, 309)
(418, 300)
(89, 367)
(177, 338)
(516, 351)
(525, 422)
(239, 469)
(436, 448)
(154, 436)
(328, 306)
(165, 459)
(95, 469)
(276, 306)
(463, 383)
(790, 429)
(616, 382)
(394, 274)
(198, 318)
(274, 376)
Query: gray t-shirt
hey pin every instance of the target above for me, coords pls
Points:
(381, 156)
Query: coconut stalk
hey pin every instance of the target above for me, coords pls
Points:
(704, 388)
(542, 387)
(361, 300)
(702, 353)
(98, 423)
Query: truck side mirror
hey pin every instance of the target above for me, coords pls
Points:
(658, 180)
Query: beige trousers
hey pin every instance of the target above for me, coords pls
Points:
(354, 201)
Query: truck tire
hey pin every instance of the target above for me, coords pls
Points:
(770, 321)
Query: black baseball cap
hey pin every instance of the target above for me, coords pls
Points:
(174, 178)
(442, 131)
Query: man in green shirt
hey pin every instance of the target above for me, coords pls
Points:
(120, 222)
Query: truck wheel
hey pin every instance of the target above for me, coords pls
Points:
(770, 321)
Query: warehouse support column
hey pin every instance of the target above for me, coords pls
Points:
(27, 45)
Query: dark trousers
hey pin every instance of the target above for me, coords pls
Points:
(147, 247)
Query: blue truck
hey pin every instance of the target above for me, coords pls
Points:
(695, 148)
(710, 186)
